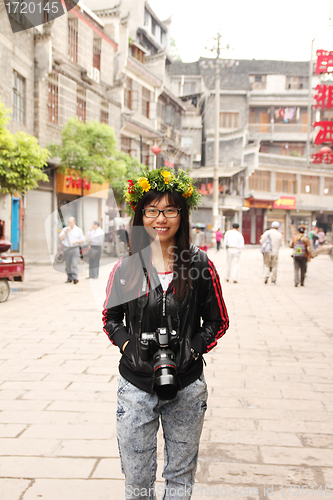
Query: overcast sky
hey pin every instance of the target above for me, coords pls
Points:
(255, 29)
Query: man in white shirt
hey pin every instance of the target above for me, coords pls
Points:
(271, 258)
(95, 237)
(71, 237)
(233, 244)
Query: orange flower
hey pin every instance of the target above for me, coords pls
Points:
(167, 176)
(189, 192)
(144, 183)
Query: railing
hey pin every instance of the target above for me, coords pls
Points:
(278, 128)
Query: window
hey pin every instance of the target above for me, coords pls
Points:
(145, 101)
(138, 54)
(73, 38)
(264, 148)
(81, 105)
(104, 118)
(189, 88)
(125, 144)
(258, 82)
(53, 99)
(260, 180)
(169, 115)
(328, 186)
(128, 93)
(286, 183)
(309, 184)
(145, 153)
(18, 98)
(297, 82)
(97, 48)
(229, 120)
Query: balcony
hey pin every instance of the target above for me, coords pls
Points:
(278, 131)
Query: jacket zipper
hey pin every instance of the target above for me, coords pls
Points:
(163, 308)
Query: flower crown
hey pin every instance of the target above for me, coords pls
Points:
(163, 180)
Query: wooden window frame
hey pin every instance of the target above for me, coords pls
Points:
(53, 99)
(260, 180)
(328, 184)
(19, 99)
(229, 120)
(73, 40)
(97, 51)
(286, 183)
(125, 144)
(104, 115)
(81, 105)
(312, 181)
(146, 98)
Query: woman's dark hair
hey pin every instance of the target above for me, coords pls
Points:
(181, 265)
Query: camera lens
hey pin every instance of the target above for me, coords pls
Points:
(165, 372)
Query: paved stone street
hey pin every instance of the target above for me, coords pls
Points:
(269, 421)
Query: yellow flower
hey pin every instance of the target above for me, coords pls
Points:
(167, 176)
(189, 192)
(144, 183)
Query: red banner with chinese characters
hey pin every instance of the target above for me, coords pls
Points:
(324, 97)
(286, 202)
(324, 61)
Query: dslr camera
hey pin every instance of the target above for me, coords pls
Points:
(161, 346)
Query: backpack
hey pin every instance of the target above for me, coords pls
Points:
(266, 247)
(299, 249)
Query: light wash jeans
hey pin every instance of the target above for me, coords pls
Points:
(182, 418)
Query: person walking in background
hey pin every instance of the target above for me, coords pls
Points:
(218, 237)
(199, 239)
(71, 237)
(271, 257)
(234, 244)
(95, 237)
(302, 255)
(321, 236)
(313, 237)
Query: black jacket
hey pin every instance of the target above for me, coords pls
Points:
(204, 300)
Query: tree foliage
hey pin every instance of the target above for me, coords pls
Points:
(130, 168)
(21, 159)
(89, 150)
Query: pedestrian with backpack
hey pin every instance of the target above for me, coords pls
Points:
(164, 309)
(271, 241)
(302, 255)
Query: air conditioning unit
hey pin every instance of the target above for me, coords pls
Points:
(96, 75)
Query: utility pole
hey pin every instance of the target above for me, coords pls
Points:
(217, 136)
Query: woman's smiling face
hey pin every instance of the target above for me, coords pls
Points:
(165, 228)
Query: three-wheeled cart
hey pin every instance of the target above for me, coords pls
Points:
(11, 269)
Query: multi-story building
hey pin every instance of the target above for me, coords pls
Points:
(17, 93)
(261, 103)
(150, 113)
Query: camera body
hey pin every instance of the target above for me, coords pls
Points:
(161, 346)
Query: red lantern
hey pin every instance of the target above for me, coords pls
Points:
(156, 149)
(325, 149)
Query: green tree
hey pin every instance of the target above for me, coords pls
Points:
(88, 149)
(21, 159)
(130, 167)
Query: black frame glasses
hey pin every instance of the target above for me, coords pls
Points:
(161, 211)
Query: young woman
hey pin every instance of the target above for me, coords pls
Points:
(170, 296)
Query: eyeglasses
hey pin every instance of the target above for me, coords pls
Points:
(169, 213)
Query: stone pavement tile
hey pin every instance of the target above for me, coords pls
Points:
(218, 402)
(323, 387)
(295, 426)
(246, 393)
(37, 417)
(31, 377)
(80, 406)
(286, 404)
(67, 396)
(7, 394)
(328, 478)
(303, 491)
(317, 440)
(211, 491)
(73, 489)
(312, 416)
(45, 467)
(251, 413)
(71, 431)
(74, 377)
(220, 435)
(318, 457)
(11, 430)
(239, 453)
(87, 448)
(34, 385)
(305, 395)
(20, 405)
(258, 474)
(30, 447)
(12, 489)
(232, 424)
(93, 386)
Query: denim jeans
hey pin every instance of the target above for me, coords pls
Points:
(138, 415)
